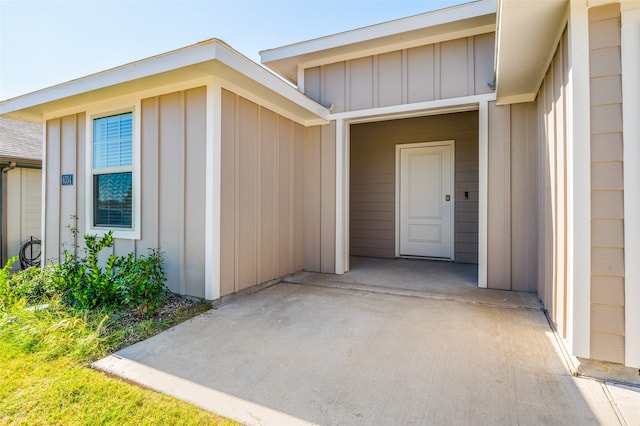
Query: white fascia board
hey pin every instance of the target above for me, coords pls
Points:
(399, 26)
(211, 50)
(406, 44)
(186, 56)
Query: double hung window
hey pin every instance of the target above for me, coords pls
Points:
(112, 171)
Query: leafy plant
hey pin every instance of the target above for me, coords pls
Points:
(7, 296)
(124, 280)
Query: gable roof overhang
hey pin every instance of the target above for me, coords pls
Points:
(527, 35)
(473, 18)
(211, 58)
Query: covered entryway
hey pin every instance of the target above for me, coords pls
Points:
(414, 188)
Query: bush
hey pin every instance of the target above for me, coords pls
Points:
(135, 283)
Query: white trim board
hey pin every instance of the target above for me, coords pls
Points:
(631, 157)
(578, 185)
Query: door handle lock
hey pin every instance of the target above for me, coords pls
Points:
(447, 197)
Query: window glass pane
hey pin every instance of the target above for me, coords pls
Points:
(113, 141)
(112, 200)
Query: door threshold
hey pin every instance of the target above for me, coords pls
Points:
(442, 259)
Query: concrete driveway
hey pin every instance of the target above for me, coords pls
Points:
(321, 354)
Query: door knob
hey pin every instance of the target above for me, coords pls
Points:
(447, 197)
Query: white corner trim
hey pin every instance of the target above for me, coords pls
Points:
(483, 189)
(43, 196)
(578, 184)
(105, 110)
(213, 182)
(341, 190)
(631, 136)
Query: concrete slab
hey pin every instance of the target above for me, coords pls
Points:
(297, 354)
(420, 278)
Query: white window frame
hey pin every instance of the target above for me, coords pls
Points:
(132, 233)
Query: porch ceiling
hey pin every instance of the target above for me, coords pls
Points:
(528, 32)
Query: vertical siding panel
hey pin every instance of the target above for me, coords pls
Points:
(298, 202)
(390, 79)
(421, 73)
(52, 207)
(454, 68)
(328, 197)
(312, 83)
(68, 163)
(268, 182)
(122, 247)
(334, 86)
(470, 66)
(247, 123)
(484, 46)
(195, 140)
(523, 205)
(170, 185)
(80, 180)
(285, 197)
(149, 152)
(499, 215)
(312, 199)
(227, 196)
(361, 83)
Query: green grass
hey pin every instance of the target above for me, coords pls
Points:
(44, 378)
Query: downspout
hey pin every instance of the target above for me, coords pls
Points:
(3, 213)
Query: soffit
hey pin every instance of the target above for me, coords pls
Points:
(446, 24)
(527, 35)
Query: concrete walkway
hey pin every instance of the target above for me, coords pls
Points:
(321, 354)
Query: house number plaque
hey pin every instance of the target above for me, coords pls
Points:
(67, 180)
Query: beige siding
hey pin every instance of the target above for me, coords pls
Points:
(23, 208)
(449, 69)
(172, 203)
(262, 218)
(372, 182)
(607, 243)
(319, 198)
(552, 183)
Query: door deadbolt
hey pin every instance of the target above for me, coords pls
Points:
(447, 197)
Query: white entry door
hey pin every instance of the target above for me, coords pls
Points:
(426, 203)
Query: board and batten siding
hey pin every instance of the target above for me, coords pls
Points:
(607, 209)
(172, 194)
(24, 200)
(448, 69)
(320, 198)
(373, 180)
(552, 181)
(263, 195)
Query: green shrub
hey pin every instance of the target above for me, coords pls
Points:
(124, 281)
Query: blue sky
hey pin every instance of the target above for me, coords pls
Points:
(46, 42)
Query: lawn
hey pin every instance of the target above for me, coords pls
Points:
(44, 374)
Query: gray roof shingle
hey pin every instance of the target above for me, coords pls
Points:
(20, 140)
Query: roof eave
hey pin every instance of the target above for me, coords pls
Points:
(526, 40)
(33, 106)
(285, 60)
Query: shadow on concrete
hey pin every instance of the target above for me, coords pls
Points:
(317, 353)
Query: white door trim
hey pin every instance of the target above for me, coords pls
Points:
(399, 147)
